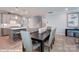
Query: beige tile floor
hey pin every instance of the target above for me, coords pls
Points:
(8, 45)
(62, 44)
(65, 44)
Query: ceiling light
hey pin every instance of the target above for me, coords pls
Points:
(16, 17)
(66, 9)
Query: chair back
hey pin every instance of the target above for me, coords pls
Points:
(52, 35)
(26, 40)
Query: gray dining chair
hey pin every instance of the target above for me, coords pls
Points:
(51, 39)
(27, 42)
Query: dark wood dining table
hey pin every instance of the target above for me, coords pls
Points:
(40, 37)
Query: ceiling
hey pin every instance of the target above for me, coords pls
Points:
(33, 11)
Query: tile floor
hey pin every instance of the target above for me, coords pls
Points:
(8, 45)
(62, 44)
(65, 44)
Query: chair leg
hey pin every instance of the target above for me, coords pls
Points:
(51, 46)
(23, 49)
(49, 49)
(53, 40)
(52, 43)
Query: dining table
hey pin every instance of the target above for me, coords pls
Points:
(40, 37)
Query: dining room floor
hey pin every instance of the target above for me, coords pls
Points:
(8, 45)
(62, 44)
(65, 44)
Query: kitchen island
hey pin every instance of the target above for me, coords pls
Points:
(15, 32)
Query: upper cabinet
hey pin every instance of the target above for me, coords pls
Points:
(8, 18)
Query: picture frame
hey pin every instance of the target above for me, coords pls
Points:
(73, 20)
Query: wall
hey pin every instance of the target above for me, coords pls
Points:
(59, 21)
(0, 24)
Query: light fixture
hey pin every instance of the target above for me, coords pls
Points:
(66, 9)
(16, 17)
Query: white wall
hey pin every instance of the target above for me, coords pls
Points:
(0, 24)
(59, 21)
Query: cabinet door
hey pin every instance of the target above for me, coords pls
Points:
(5, 31)
(6, 18)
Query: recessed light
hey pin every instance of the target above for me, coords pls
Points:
(66, 9)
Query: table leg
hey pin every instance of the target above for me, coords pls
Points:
(42, 46)
(23, 49)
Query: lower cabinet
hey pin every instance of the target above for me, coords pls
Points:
(4, 31)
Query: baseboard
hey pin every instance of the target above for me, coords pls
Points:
(60, 34)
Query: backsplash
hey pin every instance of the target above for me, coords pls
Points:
(35, 22)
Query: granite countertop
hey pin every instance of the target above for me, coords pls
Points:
(18, 28)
